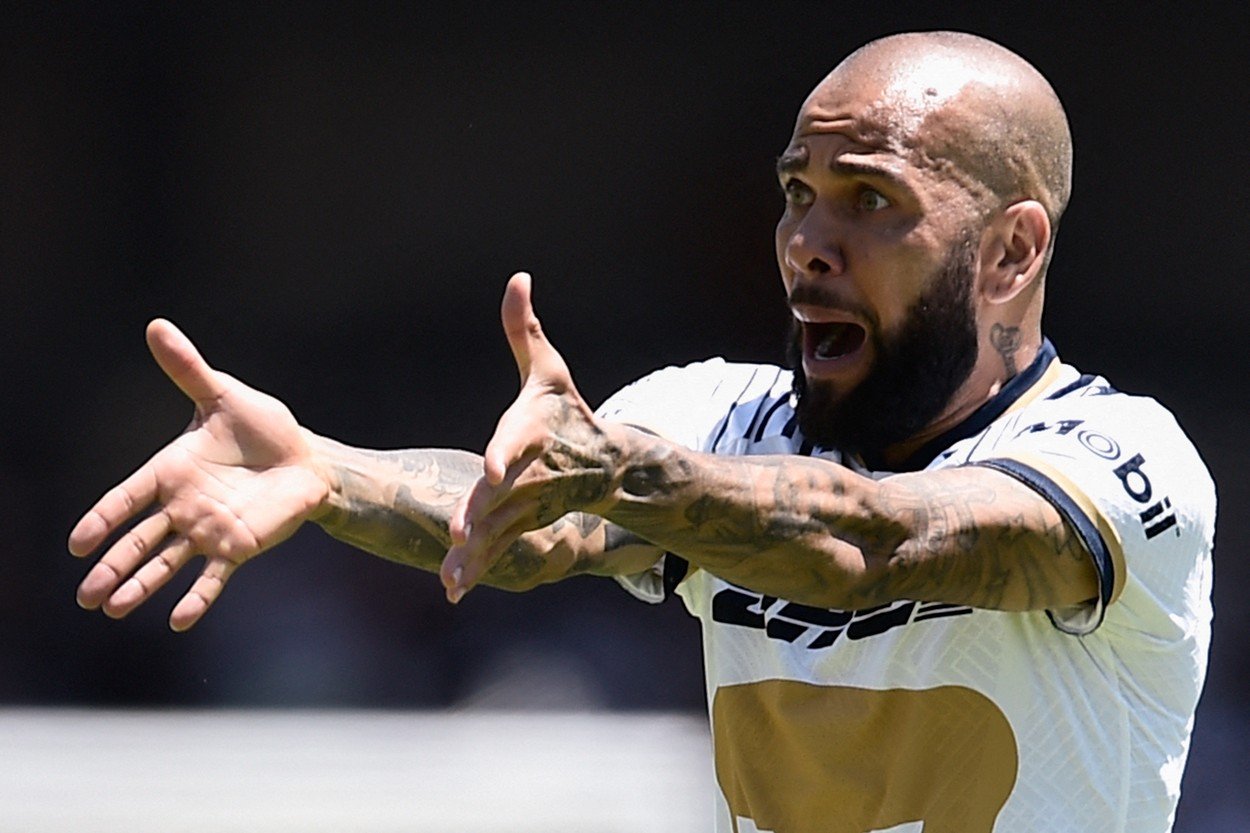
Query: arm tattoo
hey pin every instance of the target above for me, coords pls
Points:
(979, 541)
(398, 505)
(617, 537)
(814, 532)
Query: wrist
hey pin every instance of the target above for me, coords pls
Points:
(615, 445)
(645, 469)
(323, 462)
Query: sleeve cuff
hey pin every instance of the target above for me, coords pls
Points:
(659, 582)
(1093, 528)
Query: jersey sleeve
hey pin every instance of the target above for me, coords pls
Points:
(675, 403)
(685, 405)
(1126, 479)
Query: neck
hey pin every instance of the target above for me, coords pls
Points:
(1009, 354)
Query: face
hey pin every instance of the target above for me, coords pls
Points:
(916, 369)
(878, 254)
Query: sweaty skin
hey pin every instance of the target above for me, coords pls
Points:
(899, 152)
(803, 529)
(954, 133)
(909, 145)
(245, 475)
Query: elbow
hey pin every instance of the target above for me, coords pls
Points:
(883, 546)
(867, 574)
(833, 575)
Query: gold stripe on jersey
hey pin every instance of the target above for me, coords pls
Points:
(795, 757)
(1110, 537)
(1049, 376)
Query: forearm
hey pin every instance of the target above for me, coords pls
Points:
(791, 527)
(812, 531)
(395, 504)
(398, 504)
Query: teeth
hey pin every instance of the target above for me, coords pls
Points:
(827, 348)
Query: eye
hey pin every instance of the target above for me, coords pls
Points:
(797, 192)
(871, 200)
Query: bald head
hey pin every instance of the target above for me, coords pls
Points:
(965, 103)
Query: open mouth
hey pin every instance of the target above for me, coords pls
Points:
(832, 340)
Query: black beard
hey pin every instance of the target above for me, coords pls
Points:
(916, 369)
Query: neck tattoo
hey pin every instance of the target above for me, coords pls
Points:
(1006, 340)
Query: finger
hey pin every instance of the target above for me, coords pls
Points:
(459, 525)
(479, 502)
(468, 564)
(206, 589)
(122, 558)
(465, 563)
(149, 578)
(182, 363)
(451, 571)
(454, 571)
(534, 354)
(517, 441)
(520, 324)
(119, 504)
(461, 528)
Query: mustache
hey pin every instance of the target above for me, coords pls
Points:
(830, 297)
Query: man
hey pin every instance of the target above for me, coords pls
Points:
(947, 583)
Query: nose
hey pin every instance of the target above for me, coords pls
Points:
(810, 249)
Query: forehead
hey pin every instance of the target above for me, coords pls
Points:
(901, 119)
(895, 95)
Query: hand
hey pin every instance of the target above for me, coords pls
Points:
(547, 456)
(239, 480)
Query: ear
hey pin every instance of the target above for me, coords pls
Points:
(1013, 250)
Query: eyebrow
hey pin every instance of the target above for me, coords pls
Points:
(792, 160)
(796, 159)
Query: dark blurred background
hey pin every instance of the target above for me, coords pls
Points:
(329, 198)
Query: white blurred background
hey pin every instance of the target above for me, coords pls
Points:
(259, 771)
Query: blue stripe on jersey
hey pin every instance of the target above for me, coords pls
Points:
(1081, 523)
(675, 570)
(759, 433)
(977, 422)
(729, 414)
(760, 409)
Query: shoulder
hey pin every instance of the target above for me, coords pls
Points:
(710, 377)
(1091, 423)
(712, 380)
(683, 402)
(1125, 475)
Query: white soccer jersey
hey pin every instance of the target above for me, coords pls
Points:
(941, 718)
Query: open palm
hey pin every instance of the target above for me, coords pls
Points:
(239, 480)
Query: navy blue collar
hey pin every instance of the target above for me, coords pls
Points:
(977, 421)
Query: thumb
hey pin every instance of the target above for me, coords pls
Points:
(530, 347)
(182, 363)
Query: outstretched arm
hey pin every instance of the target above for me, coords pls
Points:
(238, 481)
(398, 505)
(245, 475)
(813, 531)
(803, 529)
